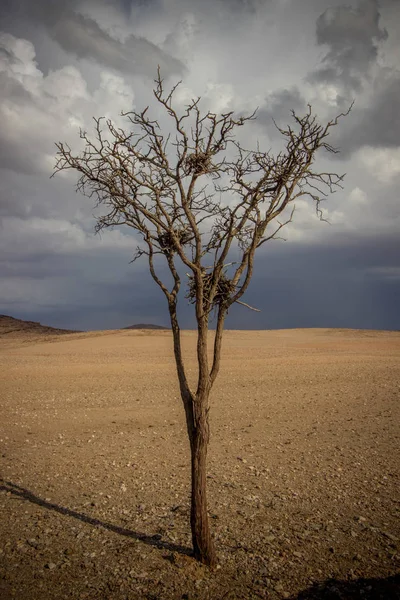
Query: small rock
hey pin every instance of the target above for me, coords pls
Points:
(390, 536)
(315, 526)
(51, 566)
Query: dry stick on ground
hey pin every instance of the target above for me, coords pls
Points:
(173, 194)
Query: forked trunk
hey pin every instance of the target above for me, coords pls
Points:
(203, 544)
(196, 410)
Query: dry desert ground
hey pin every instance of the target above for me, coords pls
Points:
(303, 467)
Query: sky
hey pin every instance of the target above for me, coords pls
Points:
(62, 63)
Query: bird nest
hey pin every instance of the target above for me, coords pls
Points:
(167, 242)
(197, 163)
(225, 289)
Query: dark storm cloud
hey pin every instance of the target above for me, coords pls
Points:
(278, 107)
(12, 151)
(11, 88)
(352, 36)
(81, 36)
(377, 125)
(346, 282)
(98, 303)
(11, 157)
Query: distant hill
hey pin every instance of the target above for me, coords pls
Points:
(145, 326)
(10, 326)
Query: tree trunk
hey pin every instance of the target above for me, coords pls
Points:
(196, 409)
(203, 545)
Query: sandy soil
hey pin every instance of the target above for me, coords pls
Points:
(303, 467)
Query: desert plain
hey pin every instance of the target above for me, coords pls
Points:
(303, 473)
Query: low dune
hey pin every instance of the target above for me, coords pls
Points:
(20, 329)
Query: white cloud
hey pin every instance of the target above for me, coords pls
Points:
(383, 163)
(55, 107)
(18, 58)
(38, 236)
(358, 197)
(65, 86)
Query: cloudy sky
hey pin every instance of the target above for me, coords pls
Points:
(63, 62)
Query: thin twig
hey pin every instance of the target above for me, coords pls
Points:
(247, 305)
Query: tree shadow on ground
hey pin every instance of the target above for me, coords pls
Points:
(357, 589)
(151, 540)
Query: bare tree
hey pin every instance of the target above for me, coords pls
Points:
(194, 197)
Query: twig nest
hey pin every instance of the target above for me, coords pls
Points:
(197, 163)
(166, 239)
(225, 289)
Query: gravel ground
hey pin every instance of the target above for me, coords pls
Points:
(303, 467)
